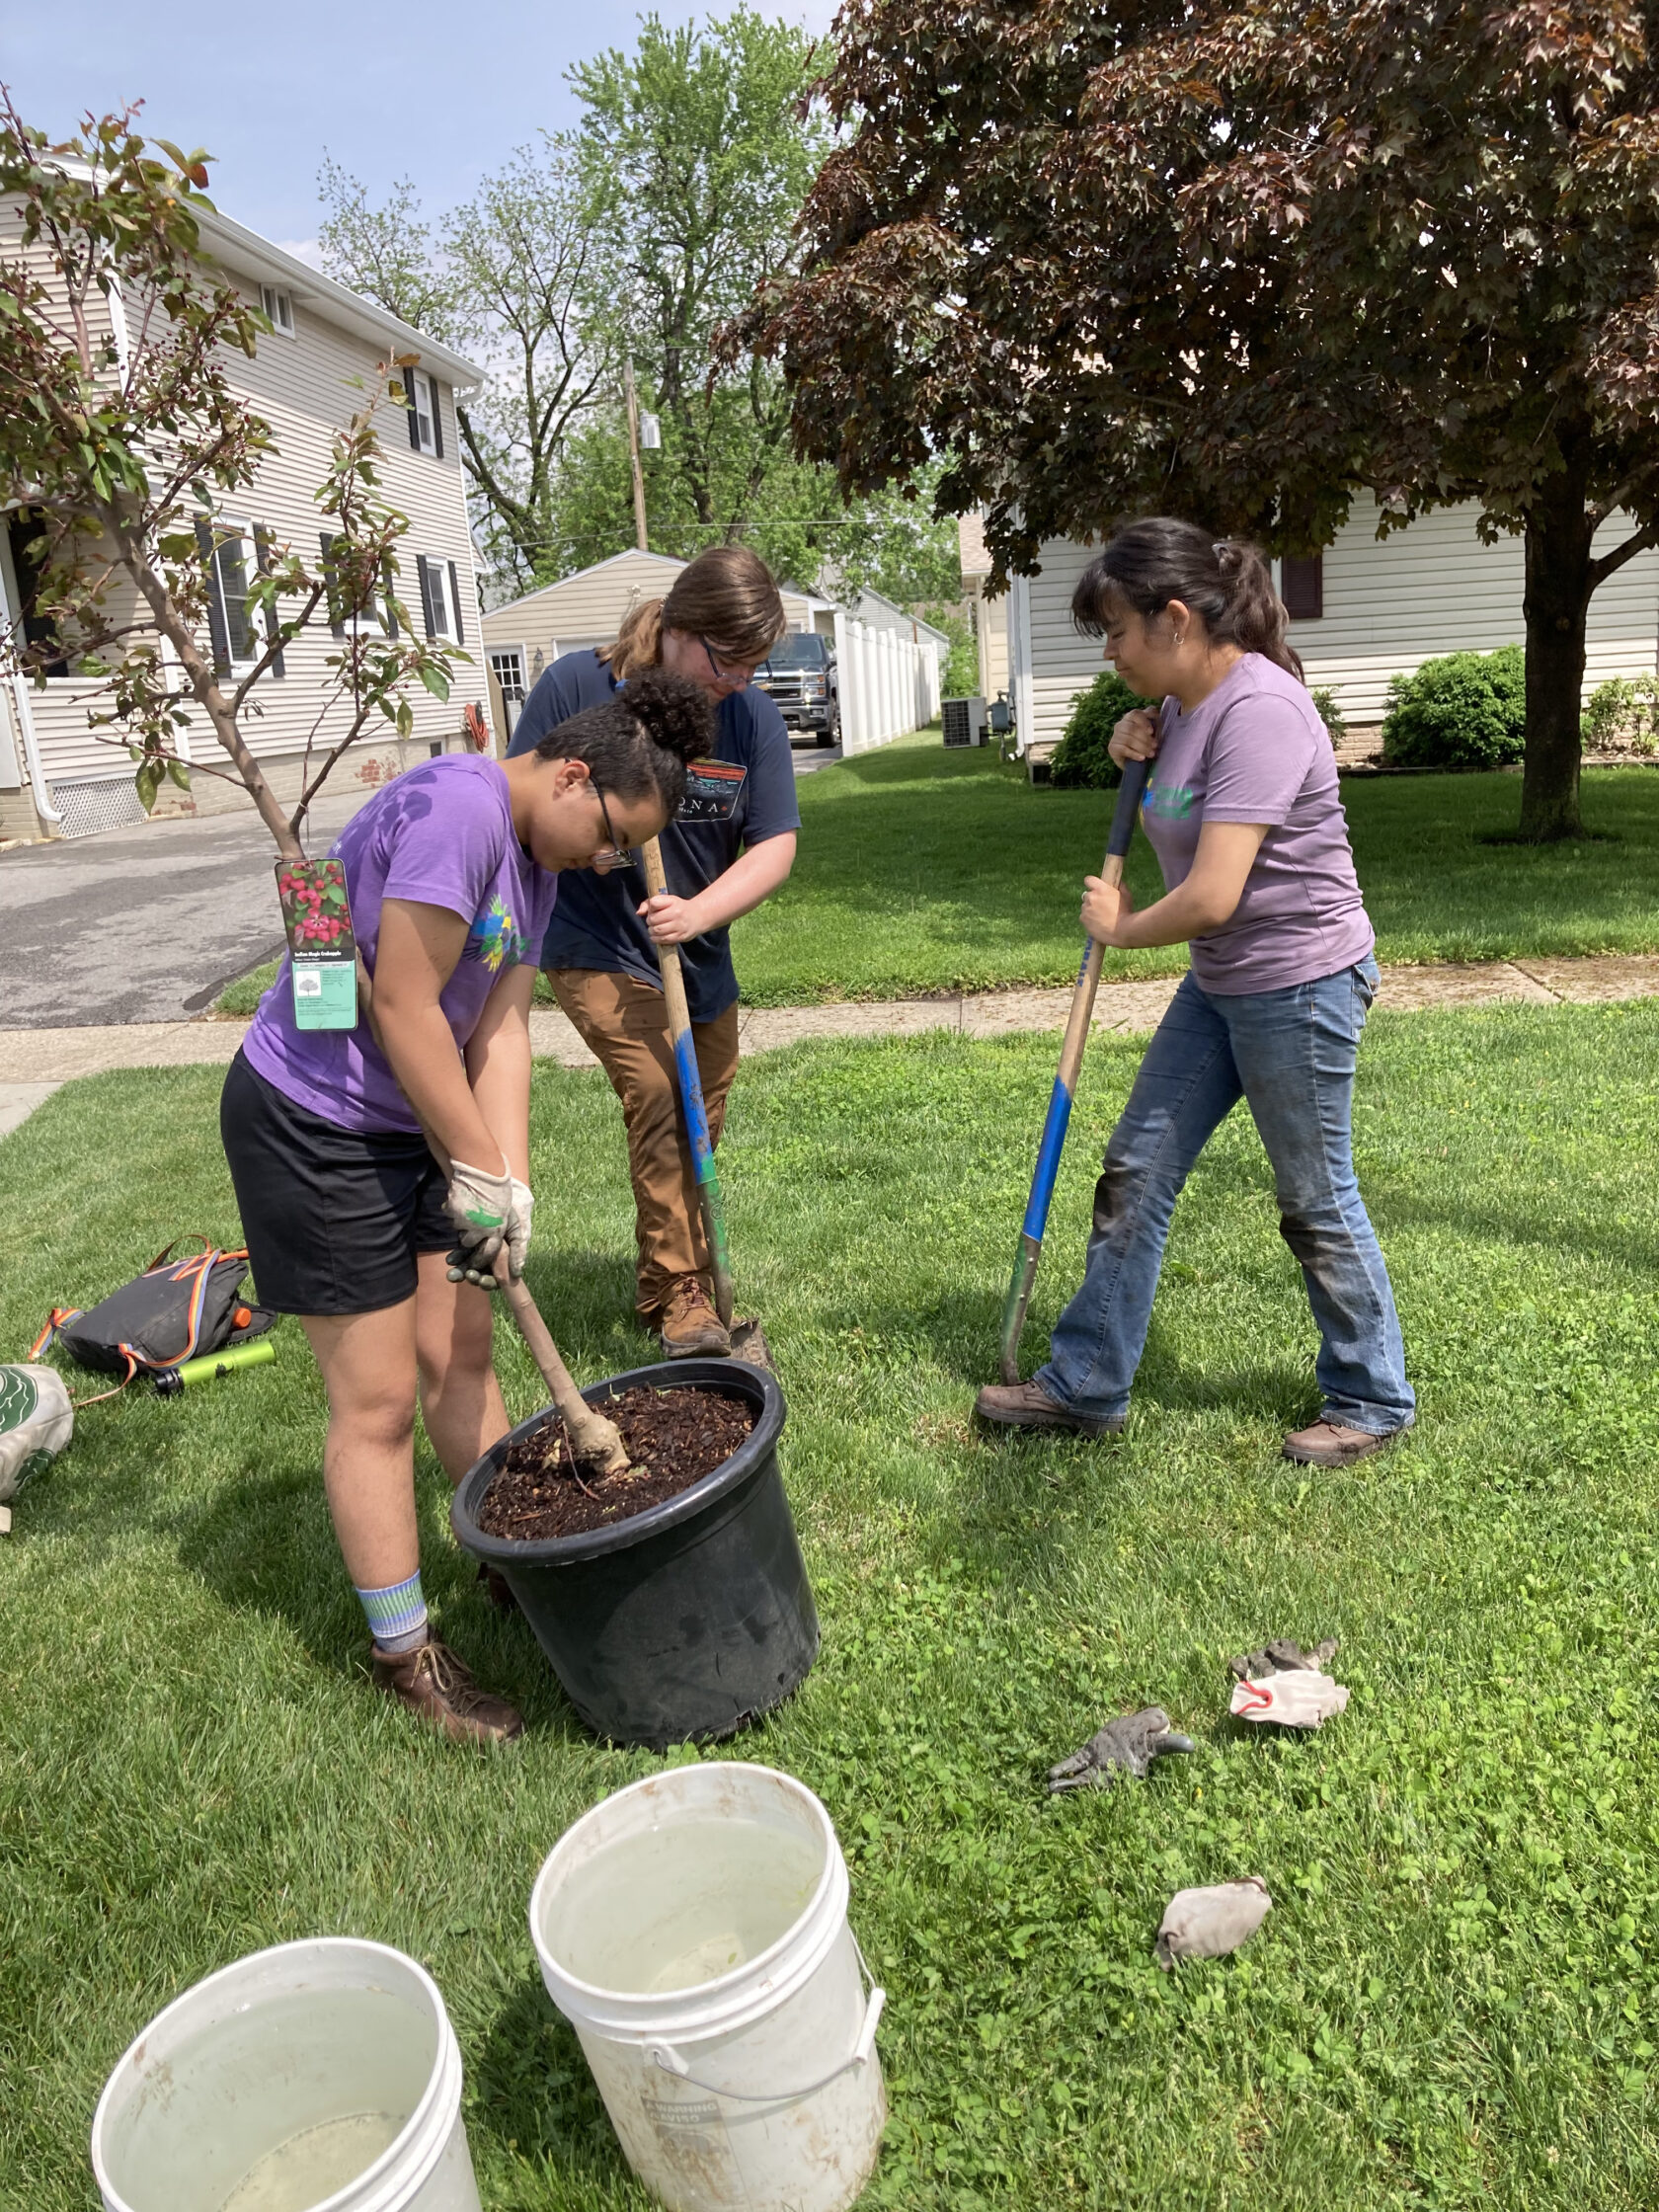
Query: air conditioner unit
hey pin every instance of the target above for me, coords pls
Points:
(965, 721)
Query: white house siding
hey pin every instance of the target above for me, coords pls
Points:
(303, 386)
(1389, 606)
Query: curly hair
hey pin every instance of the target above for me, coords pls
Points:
(638, 743)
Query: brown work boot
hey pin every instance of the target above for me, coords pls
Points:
(1327, 1444)
(688, 1325)
(433, 1683)
(1022, 1405)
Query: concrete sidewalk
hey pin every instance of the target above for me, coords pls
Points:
(34, 1062)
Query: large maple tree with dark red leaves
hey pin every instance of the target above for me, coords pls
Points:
(1243, 263)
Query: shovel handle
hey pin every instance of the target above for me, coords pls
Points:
(709, 1201)
(595, 1441)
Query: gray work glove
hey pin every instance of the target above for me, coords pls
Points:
(1282, 1658)
(1126, 1746)
(1211, 1923)
(491, 1213)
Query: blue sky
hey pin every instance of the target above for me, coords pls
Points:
(439, 92)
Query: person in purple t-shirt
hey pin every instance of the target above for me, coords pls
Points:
(1243, 812)
(380, 1170)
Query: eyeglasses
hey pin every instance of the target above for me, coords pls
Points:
(736, 673)
(615, 850)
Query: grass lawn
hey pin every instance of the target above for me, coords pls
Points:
(922, 871)
(1453, 2003)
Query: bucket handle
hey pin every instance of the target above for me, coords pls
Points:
(671, 2062)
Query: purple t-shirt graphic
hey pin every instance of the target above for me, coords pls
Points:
(1256, 750)
(441, 835)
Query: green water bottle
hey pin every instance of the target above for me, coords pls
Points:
(170, 1380)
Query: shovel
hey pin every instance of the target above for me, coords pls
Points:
(749, 1338)
(596, 1443)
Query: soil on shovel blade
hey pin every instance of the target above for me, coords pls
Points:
(674, 1438)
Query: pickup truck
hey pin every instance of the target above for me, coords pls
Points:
(800, 677)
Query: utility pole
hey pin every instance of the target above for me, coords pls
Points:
(640, 530)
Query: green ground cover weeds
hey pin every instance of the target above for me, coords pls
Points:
(1452, 2003)
(925, 871)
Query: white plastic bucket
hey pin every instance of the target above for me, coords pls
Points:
(693, 1931)
(322, 2074)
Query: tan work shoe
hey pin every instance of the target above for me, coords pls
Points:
(688, 1325)
(1022, 1405)
(1327, 1444)
(433, 1683)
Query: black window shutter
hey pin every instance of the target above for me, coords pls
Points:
(273, 622)
(331, 577)
(455, 603)
(437, 417)
(1302, 586)
(413, 411)
(217, 628)
(388, 593)
(425, 594)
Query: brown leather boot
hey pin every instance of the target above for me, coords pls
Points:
(689, 1326)
(1327, 1444)
(1022, 1405)
(433, 1683)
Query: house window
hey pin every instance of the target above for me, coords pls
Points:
(425, 427)
(26, 546)
(508, 664)
(1302, 586)
(278, 309)
(227, 585)
(440, 599)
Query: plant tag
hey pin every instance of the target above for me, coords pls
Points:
(322, 945)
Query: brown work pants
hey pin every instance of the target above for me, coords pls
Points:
(624, 1024)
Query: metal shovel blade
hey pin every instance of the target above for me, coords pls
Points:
(749, 1344)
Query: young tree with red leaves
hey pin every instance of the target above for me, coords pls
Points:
(121, 430)
(1243, 263)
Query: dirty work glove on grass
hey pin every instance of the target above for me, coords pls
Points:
(490, 1212)
(1126, 1746)
(1294, 1700)
(1211, 1923)
(1281, 1658)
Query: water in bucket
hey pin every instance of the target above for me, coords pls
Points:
(684, 1904)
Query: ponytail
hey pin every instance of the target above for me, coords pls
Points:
(638, 642)
(1225, 582)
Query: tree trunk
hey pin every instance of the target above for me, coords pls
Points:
(1557, 599)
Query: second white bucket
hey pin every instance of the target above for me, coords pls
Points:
(317, 2077)
(693, 1931)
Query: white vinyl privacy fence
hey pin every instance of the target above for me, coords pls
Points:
(889, 684)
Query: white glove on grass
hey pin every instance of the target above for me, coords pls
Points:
(488, 1212)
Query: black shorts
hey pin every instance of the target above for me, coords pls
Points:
(332, 1218)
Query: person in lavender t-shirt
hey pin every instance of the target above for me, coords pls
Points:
(1243, 812)
(380, 1171)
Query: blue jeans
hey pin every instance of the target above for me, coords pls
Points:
(1291, 1055)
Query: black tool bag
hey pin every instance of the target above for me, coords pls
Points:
(176, 1310)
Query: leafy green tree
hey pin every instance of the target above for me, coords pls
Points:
(121, 430)
(1243, 260)
(696, 150)
(511, 276)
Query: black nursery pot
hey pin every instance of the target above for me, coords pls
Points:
(691, 1617)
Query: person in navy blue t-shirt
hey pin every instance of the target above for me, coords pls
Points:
(731, 845)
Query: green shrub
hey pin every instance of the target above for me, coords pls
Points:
(1329, 712)
(1624, 716)
(1466, 710)
(1081, 757)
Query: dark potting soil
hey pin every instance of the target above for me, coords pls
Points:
(672, 1437)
